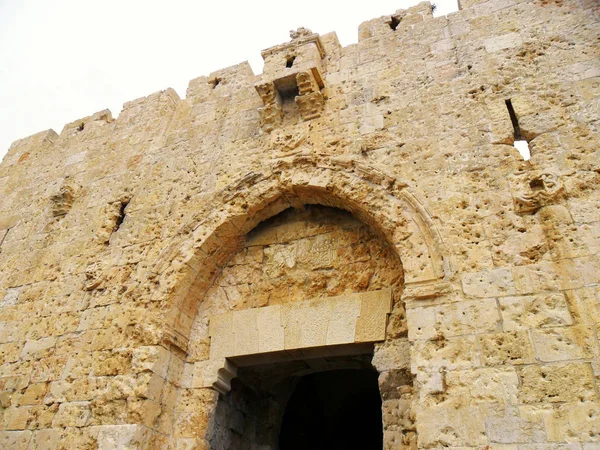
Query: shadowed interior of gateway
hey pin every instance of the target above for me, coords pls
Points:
(338, 409)
(328, 403)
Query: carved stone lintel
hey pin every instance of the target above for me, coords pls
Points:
(545, 189)
(311, 105)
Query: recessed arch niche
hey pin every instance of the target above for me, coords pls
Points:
(316, 271)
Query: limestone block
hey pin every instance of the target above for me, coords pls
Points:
(126, 437)
(47, 439)
(505, 348)
(221, 332)
(314, 329)
(245, 332)
(10, 352)
(148, 385)
(453, 424)
(34, 394)
(76, 366)
(110, 363)
(533, 278)
(490, 283)
(92, 318)
(374, 309)
(343, 323)
(544, 310)
(557, 383)
(15, 440)
(505, 41)
(293, 317)
(271, 334)
(579, 420)
(215, 373)
(39, 348)
(17, 418)
(451, 354)
(562, 344)
(76, 414)
(421, 323)
(431, 383)
(467, 317)
(143, 411)
(392, 355)
(522, 424)
(155, 358)
(11, 297)
(483, 385)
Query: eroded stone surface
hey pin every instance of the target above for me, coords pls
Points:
(119, 238)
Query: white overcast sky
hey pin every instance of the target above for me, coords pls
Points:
(62, 60)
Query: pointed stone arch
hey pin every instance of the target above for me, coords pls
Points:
(186, 268)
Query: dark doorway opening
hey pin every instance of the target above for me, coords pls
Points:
(339, 409)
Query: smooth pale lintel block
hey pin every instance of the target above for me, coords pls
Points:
(220, 330)
(314, 328)
(293, 316)
(271, 335)
(342, 326)
(245, 332)
(374, 309)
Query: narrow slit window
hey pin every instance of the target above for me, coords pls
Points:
(289, 62)
(121, 216)
(394, 23)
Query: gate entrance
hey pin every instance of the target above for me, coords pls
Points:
(339, 409)
(323, 403)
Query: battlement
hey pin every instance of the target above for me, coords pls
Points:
(418, 36)
(226, 81)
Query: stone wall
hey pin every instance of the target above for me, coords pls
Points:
(116, 234)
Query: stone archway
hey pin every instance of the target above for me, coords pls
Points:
(188, 267)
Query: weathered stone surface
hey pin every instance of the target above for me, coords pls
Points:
(557, 383)
(534, 311)
(358, 207)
